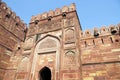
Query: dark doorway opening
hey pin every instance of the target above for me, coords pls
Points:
(45, 74)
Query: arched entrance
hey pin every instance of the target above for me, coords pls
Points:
(47, 53)
(45, 74)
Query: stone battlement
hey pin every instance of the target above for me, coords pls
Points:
(11, 22)
(8, 13)
(51, 13)
(99, 32)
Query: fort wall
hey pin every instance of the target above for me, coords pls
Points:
(55, 40)
(101, 53)
(12, 33)
(99, 48)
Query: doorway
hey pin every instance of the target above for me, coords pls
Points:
(45, 74)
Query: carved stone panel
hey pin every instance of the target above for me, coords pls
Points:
(48, 43)
(69, 35)
(69, 58)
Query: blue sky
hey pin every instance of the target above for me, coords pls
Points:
(92, 13)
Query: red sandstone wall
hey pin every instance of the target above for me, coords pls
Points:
(62, 25)
(4, 61)
(101, 72)
(101, 57)
(12, 32)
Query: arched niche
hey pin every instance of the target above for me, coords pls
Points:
(47, 50)
(47, 44)
(69, 35)
(70, 58)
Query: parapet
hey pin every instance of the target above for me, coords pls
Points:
(10, 14)
(51, 13)
(103, 31)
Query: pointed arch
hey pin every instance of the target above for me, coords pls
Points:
(47, 36)
(45, 74)
(49, 47)
(48, 42)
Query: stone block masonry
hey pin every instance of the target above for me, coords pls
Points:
(54, 45)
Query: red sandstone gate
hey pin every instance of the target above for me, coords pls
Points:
(47, 53)
(48, 60)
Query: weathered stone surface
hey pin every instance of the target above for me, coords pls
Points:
(55, 41)
(11, 34)
(102, 71)
(2, 73)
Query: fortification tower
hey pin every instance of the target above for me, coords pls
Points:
(12, 34)
(52, 43)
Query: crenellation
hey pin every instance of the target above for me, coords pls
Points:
(57, 11)
(52, 13)
(55, 40)
(113, 29)
(72, 7)
(65, 9)
(103, 31)
(102, 36)
(17, 19)
(96, 32)
(3, 5)
(32, 18)
(118, 25)
(13, 15)
(88, 33)
(44, 15)
(8, 13)
(112, 26)
(119, 28)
